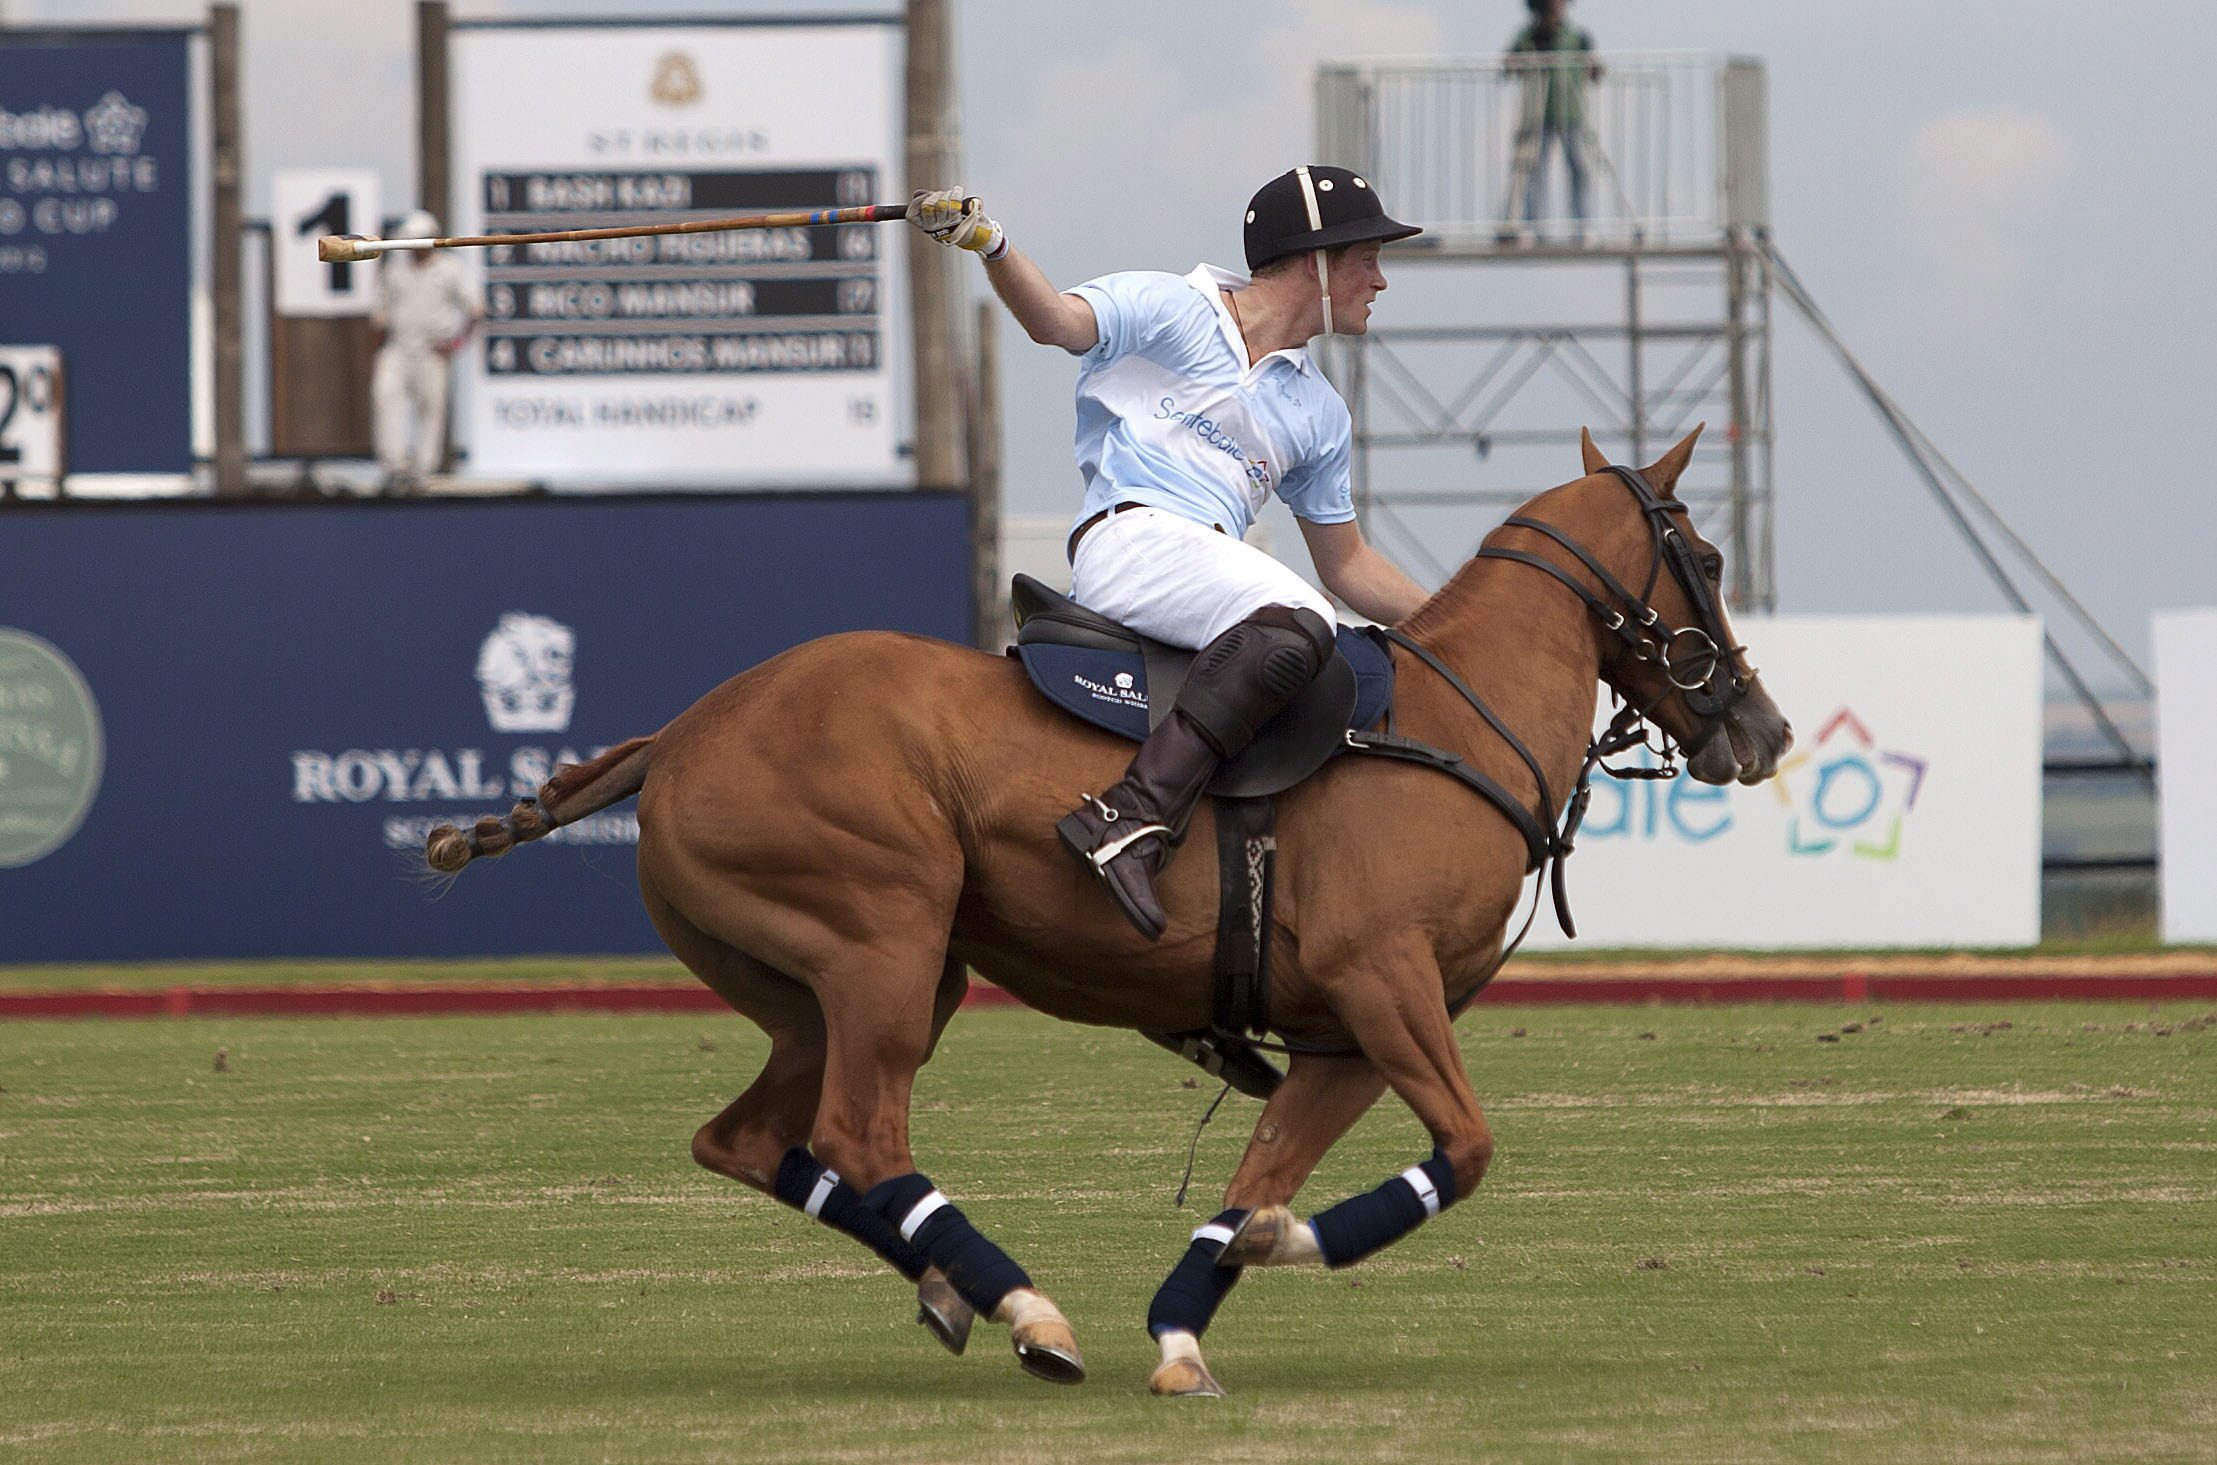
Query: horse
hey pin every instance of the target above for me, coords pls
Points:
(833, 840)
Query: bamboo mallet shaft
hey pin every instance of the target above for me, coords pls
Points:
(346, 248)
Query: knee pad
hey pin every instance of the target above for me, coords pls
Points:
(1321, 634)
(1245, 676)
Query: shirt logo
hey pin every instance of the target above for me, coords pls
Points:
(1212, 432)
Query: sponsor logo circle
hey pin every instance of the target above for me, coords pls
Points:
(50, 749)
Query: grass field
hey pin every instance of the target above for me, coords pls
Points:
(1948, 1235)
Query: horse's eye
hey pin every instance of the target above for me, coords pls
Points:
(1712, 565)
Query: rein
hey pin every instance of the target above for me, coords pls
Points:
(1548, 840)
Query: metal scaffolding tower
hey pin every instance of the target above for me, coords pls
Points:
(1674, 153)
(1672, 246)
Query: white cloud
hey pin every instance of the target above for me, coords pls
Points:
(1134, 158)
(1980, 186)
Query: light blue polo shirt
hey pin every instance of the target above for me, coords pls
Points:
(1171, 415)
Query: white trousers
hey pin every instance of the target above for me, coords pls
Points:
(408, 409)
(1180, 582)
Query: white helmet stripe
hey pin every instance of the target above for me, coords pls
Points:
(1316, 222)
(1308, 196)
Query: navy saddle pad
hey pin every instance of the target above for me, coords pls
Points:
(1106, 674)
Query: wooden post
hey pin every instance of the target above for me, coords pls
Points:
(989, 609)
(433, 187)
(931, 286)
(434, 184)
(228, 247)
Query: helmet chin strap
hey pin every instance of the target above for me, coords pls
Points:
(1324, 287)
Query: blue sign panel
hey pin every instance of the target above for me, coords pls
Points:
(288, 697)
(95, 236)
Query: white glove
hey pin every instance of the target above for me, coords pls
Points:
(951, 218)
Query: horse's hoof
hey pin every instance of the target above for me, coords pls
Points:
(1259, 1238)
(1048, 1350)
(1184, 1378)
(940, 1308)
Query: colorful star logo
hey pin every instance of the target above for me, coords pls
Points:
(1860, 797)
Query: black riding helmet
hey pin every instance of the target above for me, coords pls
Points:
(1316, 206)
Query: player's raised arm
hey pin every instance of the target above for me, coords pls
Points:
(1047, 315)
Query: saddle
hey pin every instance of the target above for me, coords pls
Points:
(1112, 677)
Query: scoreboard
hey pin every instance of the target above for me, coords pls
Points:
(753, 300)
(752, 358)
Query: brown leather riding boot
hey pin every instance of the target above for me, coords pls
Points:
(1238, 682)
(1124, 836)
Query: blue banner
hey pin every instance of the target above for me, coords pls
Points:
(239, 722)
(96, 235)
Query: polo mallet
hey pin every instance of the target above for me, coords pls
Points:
(346, 248)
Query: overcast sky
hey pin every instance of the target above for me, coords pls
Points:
(2007, 207)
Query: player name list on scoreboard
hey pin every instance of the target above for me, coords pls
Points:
(739, 302)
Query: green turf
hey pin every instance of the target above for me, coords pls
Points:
(155, 976)
(1707, 1237)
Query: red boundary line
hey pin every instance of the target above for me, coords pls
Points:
(1849, 987)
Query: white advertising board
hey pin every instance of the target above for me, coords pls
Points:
(2185, 710)
(306, 204)
(768, 357)
(1907, 813)
(31, 423)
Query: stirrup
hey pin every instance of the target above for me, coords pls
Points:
(1100, 855)
(1100, 858)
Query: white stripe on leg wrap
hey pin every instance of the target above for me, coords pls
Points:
(826, 1183)
(1426, 1192)
(1221, 1235)
(919, 1213)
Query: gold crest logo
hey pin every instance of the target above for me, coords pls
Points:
(677, 81)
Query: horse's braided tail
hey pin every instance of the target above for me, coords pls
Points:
(575, 790)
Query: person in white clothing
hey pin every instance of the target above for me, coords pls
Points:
(423, 314)
(1196, 402)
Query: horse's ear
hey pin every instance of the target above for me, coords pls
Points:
(1589, 454)
(1662, 474)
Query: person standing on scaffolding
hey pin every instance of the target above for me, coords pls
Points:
(1551, 61)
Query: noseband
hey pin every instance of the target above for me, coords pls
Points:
(1697, 661)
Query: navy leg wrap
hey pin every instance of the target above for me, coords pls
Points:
(804, 1184)
(977, 1269)
(1195, 1287)
(1355, 1228)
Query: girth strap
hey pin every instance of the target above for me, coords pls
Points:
(1246, 867)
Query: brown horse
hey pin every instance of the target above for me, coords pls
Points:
(834, 839)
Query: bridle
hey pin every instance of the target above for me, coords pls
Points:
(1698, 660)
